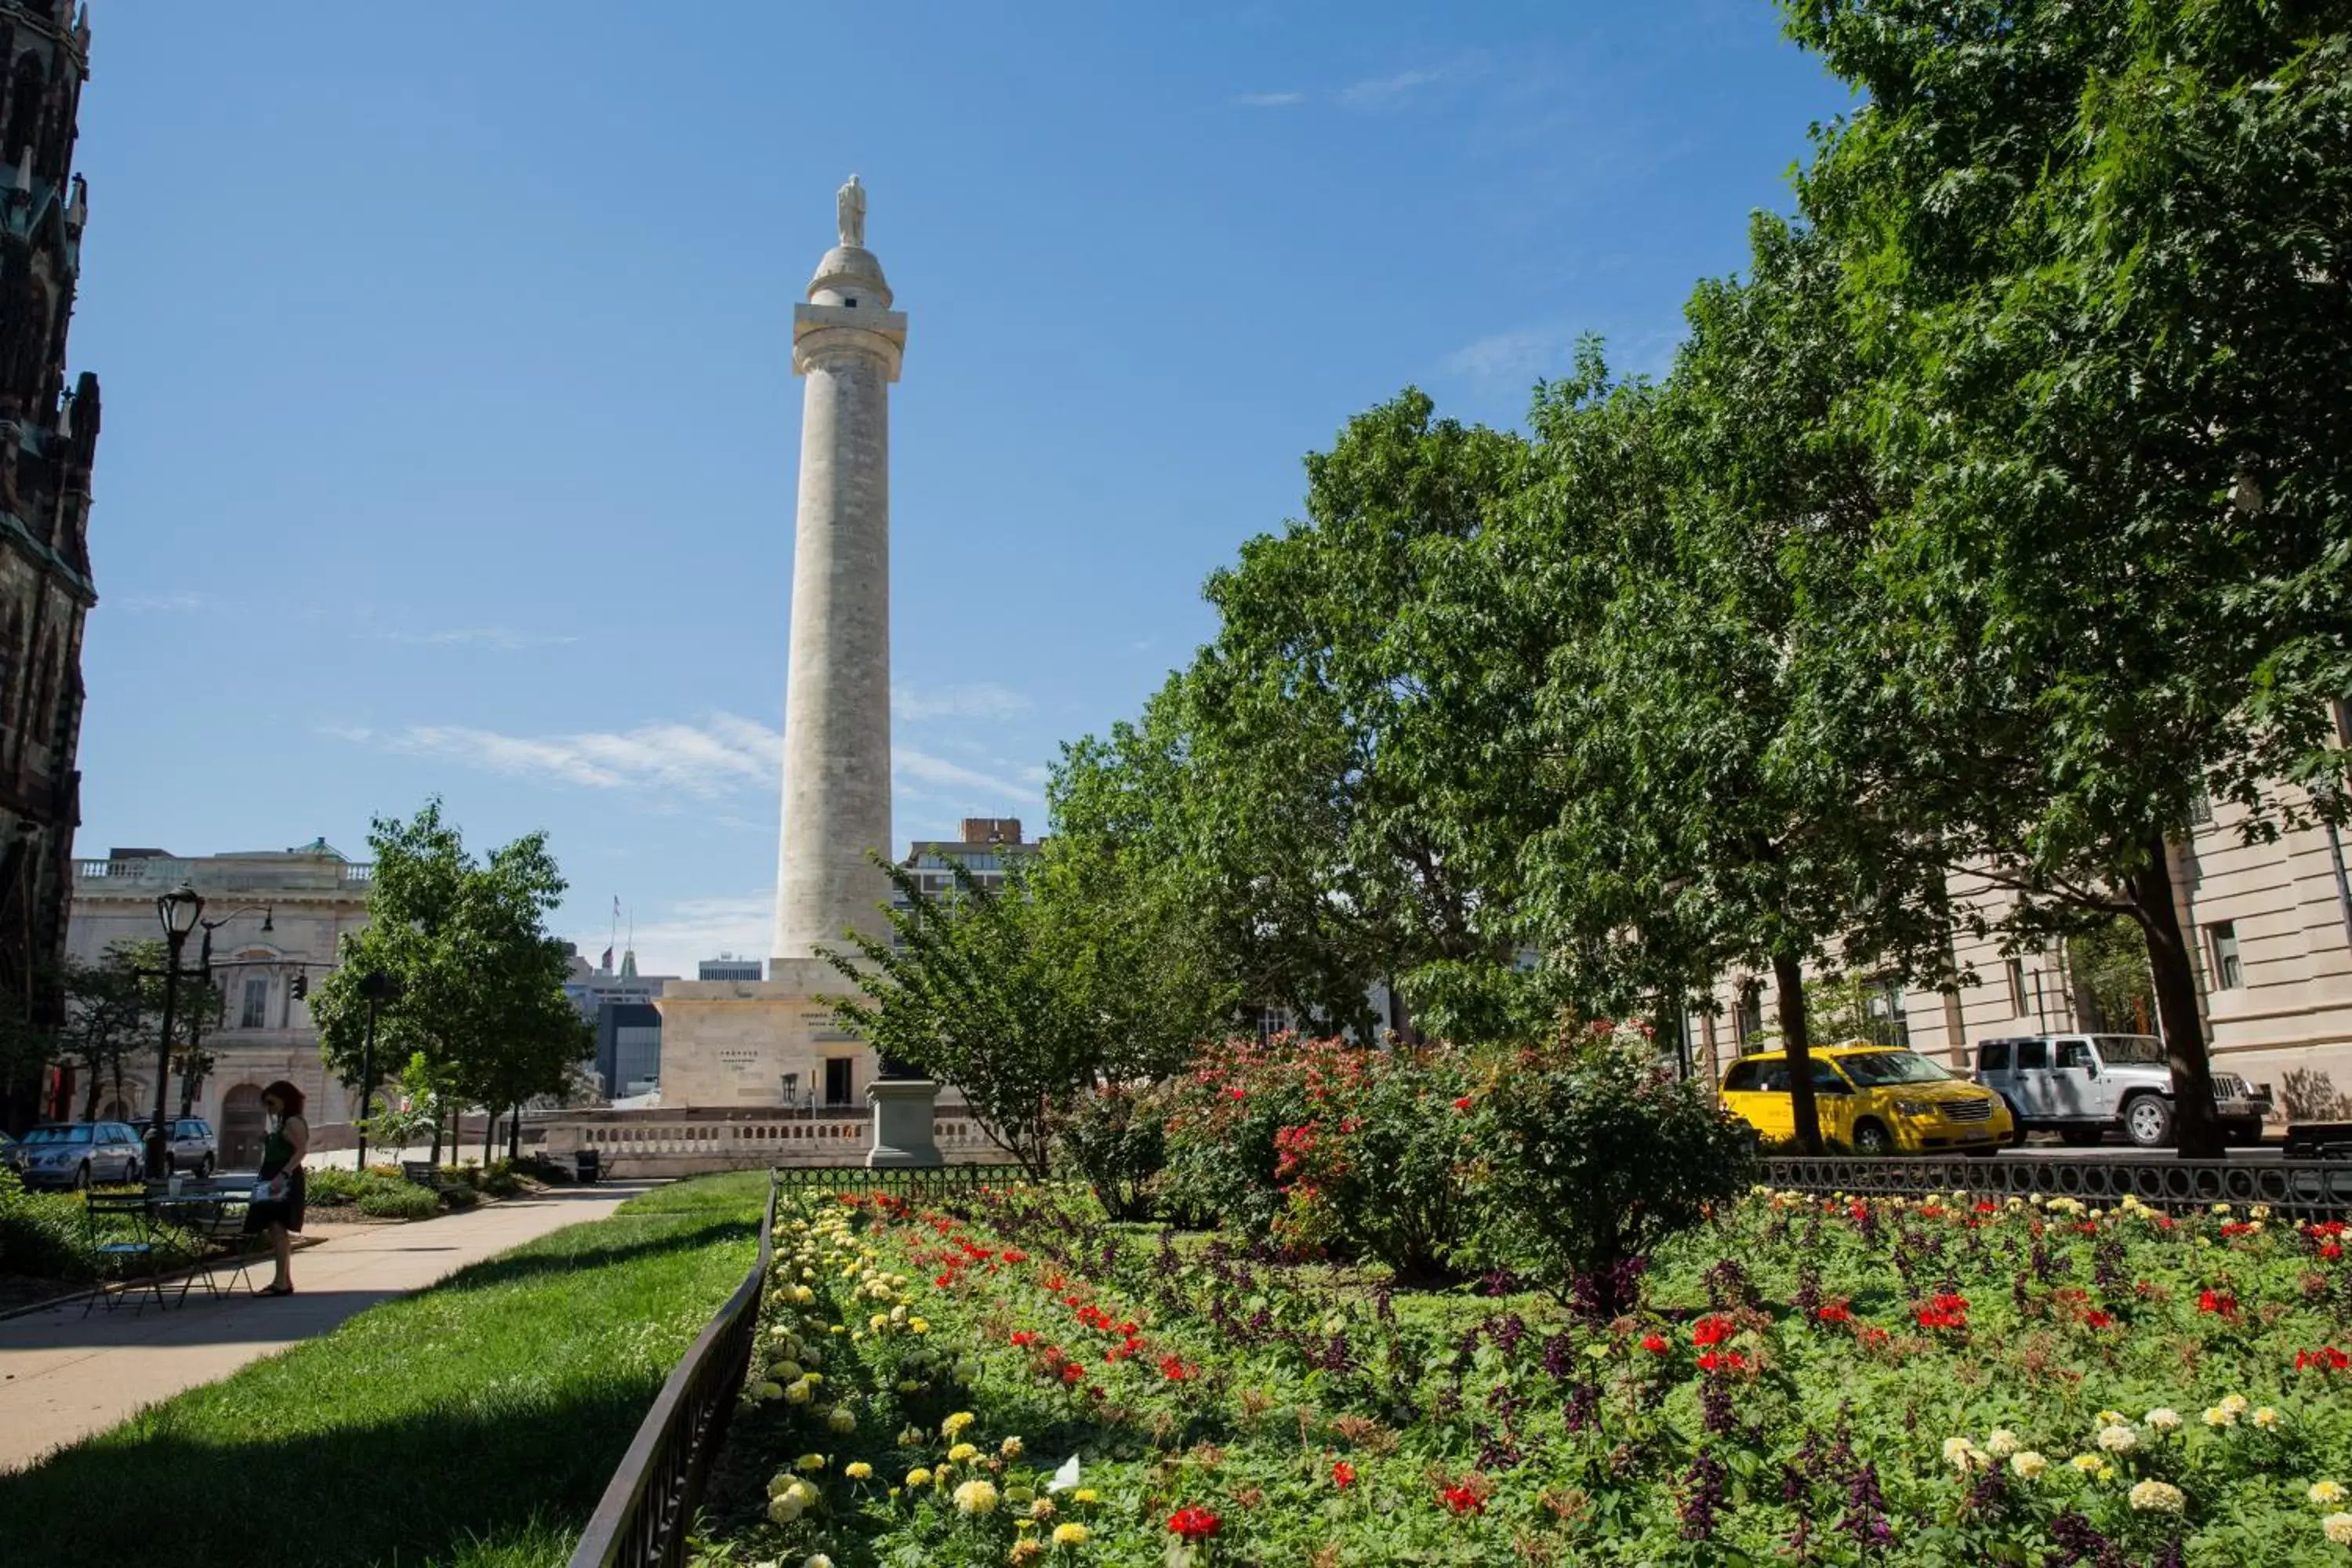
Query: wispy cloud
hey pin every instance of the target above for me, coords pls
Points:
(505, 640)
(181, 601)
(925, 768)
(1395, 90)
(1269, 99)
(721, 753)
(983, 699)
(1520, 354)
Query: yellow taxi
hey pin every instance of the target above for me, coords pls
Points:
(1873, 1099)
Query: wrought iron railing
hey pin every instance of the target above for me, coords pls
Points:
(643, 1519)
(2299, 1189)
(923, 1181)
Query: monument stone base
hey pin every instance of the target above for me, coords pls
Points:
(902, 1123)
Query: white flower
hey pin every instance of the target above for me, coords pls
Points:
(2164, 1418)
(2119, 1439)
(2266, 1417)
(2028, 1465)
(2158, 1496)
(784, 1508)
(1962, 1454)
(2324, 1492)
(2221, 1415)
(2338, 1527)
(2235, 1404)
(2000, 1442)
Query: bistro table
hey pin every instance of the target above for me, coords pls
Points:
(213, 1214)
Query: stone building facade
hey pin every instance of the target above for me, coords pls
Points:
(2270, 927)
(311, 896)
(48, 440)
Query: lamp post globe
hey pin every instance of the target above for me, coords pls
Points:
(179, 911)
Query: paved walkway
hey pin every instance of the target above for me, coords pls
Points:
(63, 1375)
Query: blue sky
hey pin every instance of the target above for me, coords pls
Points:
(450, 427)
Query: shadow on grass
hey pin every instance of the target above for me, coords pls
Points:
(428, 1490)
(680, 1233)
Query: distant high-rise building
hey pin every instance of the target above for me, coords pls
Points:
(48, 439)
(727, 966)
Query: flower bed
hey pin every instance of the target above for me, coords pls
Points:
(1951, 1381)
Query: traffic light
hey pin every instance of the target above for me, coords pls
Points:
(301, 985)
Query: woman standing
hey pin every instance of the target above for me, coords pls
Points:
(278, 1195)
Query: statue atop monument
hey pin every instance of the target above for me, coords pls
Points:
(849, 204)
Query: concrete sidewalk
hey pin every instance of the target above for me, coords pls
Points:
(63, 1375)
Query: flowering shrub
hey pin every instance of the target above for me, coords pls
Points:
(1592, 1156)
(1117, 1137)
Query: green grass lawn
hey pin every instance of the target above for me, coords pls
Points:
(476, 1422)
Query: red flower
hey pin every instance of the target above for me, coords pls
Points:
(1462, 1499)
(1712, 1330)
(1835, 1313)
(1654, 1343)
(1237, 1094)
(2097, 1319)
(1872, 1337)
(1463, 1103)
(1173, 1369)
(944, 1281)
(1343, 1475)
(1072, 1373)
(2218, 1302)
(1025, 1337)
(2326, 1357)
(1194, 1523)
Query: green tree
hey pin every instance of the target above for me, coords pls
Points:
(2094, 262)
(1022, 998)
(481, 980)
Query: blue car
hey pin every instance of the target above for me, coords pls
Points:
(81, 1154)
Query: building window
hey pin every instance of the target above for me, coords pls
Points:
(2201, 810)
(2017, 988)
(2228, 972)
(836, 1080)
(255, 1012)
(1751, 1016)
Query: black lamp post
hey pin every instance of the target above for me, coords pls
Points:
(178, 910)
(378, 988)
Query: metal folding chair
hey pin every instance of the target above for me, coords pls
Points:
(138, 1247)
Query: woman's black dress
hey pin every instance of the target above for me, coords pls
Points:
(276, 1151)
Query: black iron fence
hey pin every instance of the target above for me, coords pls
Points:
(925, 1182)
(2294, 1189)
(646, 1510)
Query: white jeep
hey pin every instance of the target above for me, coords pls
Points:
(2081, 1087)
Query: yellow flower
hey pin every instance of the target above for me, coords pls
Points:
(803, 1295)
(816, 1560)
(2337, 1528)
(1025, 1550)
(1088, 1494)
(2109, 1418)
(2028, 1465)
(771, 1392)
(843, 1419)
(918, 1477)
(975, 1497)
(2216, 1415)
(2266, 1417)
(918, 1326)
(798, 1392)
(1009, 1448)
(2158, 1496)
(784, 1508)
(2324, 1492)
(809, 1463)
(858, 1470)
(2235, 1404)
(1042, 1508)
(2089, 1463)
(953, 1425)
(963, 1453)
(1071, 1534)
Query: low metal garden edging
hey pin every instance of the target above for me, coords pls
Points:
(2294, 1189)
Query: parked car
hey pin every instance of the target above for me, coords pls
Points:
(1873, 1099)
(12, 1154)
(194, 1148)
(2081, 1086)
(82, 1154)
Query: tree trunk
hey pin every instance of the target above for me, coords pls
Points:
(1788, 978)
(514, 1133)
(89, 1100)
(436, 1155)
(489, 1133)
(2195, 1126)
